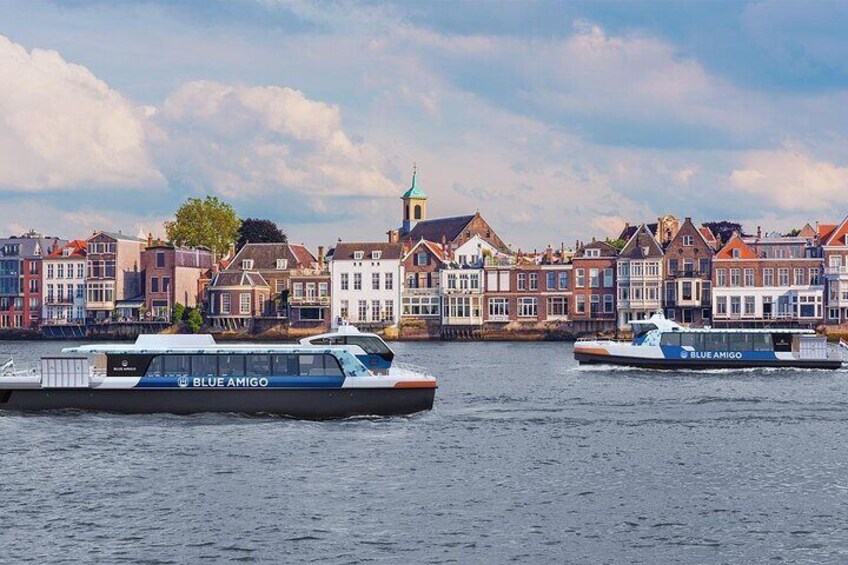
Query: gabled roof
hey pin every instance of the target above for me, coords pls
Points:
(238, 278)
(435, 250)
(807, 231)
(629, 230)
(117, 236)
(837, 234)
(77, 250)
(736, 242)
(388, 251)
(434, 230)
(265, 255)
(642, 245)
(607, 250)
(825, 230)
(708, 235)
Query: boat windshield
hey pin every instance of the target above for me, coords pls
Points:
(351, 366)
(641, 328)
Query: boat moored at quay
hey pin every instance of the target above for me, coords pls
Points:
(659, 343)
(191, 374)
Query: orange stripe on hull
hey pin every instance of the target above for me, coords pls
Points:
(592, 350)
(416, 384)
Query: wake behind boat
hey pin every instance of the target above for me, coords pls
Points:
(188, 374)
(659, 343)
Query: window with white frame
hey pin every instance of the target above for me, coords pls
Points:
(750, 305)
(734, 277)
(527, 307)
(358, 255)
(375, 255)
(579, 278)
(534, 281)
(421, 305)
(422, 259)
(688, 240)
(783, 277)
(749, 277)
(357, 281)
(609, 303)
(344, 309)
(768, 276)
(244, 303)
(521, 283)
(389, 281)
(799, 276)
(225, 303)
(498, 308)
(721, 305)
(735, 305)
(608, 278)
(563, 280)
(557, 307)
(375, 281)
(323, 289)
(247, 264)
(736, 253)
(815, 276)
(388, 310)
(594, 278)
(721, 277)
(362, 311)
(344, 281)
(375, 310)
(592, 253)
(297, 289)
(580, 304)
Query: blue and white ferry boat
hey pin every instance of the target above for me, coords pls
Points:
(188, 374)
(659, 343)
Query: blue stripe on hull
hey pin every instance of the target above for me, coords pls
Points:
(240, 382)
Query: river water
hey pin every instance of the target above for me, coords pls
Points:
(526, 458)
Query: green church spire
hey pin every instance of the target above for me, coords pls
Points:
(414, 191)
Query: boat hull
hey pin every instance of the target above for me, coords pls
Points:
(701, 364)
(312, 404)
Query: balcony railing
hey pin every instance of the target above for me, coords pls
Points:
(309, 300)
(843, 270)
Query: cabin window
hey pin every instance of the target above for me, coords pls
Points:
(319, 366)
(231, 365)
(204, 365)
(258, 365)
(715, 341)
(369, 344)
(155, 368)
(285, 365)
(175, 364)
(694, 340)
(762, 342)
(739, 342)
(670, 339)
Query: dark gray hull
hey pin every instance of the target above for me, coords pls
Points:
(312, 404)
(702, 364)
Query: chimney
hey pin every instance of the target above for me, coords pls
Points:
(549, 255)
(149, 239)
(232, 250)
(394, 236)
(320, 256)
(759, 232)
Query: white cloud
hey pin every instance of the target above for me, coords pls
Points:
(792, 180)
(62, 127)
(243, 141)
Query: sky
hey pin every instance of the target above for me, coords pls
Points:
(556, 120)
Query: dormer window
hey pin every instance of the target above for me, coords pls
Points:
(247, 264)
(375, 255)
(593, 253)
(736, 253)
(66, 252)
(358, 255)
(646, 250)
(282, 264)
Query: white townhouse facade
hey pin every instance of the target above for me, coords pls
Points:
(63, 280)
(462, 296)
(366, 279)
(639, 277)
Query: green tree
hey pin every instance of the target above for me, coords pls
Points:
(617, 243)
(177, 313)
(194, 320)
(254, 230)
(208, 223)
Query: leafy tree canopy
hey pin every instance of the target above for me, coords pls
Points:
(209, 222)
(792, 233)
(254, 230)
(724, 230)
(617, 243)
(194, 320)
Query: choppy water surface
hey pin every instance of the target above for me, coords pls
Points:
(526, 458)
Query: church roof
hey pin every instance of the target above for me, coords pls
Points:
(434, 230)
(414, 191)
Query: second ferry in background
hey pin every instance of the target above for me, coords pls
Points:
(659, 343)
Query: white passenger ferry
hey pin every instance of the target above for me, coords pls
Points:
(659, 343)
(187, 374)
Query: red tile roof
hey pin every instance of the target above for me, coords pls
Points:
(78, 249)
(736, 242)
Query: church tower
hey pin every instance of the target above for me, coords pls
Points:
(414, 205)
